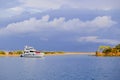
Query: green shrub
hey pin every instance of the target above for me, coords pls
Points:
(18, 52)
(11, 53)
(2, 52)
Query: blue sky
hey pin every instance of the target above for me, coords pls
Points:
(59, 25)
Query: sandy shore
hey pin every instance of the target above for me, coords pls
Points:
(89, 53)
(72, 53)
(65, 53)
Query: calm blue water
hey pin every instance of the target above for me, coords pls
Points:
(70, 67)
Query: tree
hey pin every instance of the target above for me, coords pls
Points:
(108, 50)
(102, 48)
(2, 52)
(118, 47)
(18, 52)
(11, 53)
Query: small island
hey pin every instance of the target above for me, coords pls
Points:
(108, 51)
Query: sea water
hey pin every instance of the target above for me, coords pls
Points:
(66, 67)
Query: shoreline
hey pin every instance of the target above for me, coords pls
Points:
(9, 55)
(57, 54)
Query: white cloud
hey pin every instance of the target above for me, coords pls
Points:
(104, 21)
(80, 4)
(15, 10)
(96, 39)
(10, 12)
(38, 6)
(44, 24)
(42, 4)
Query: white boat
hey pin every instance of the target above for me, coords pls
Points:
(31, 52)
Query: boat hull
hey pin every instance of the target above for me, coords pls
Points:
(31, 55)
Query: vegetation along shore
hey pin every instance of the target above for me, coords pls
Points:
(108, 51)
(19, 52)
(47, 53)
(102, 51)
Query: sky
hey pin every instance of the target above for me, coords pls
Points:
(59, 25)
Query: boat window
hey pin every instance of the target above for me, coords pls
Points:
(31, 51)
